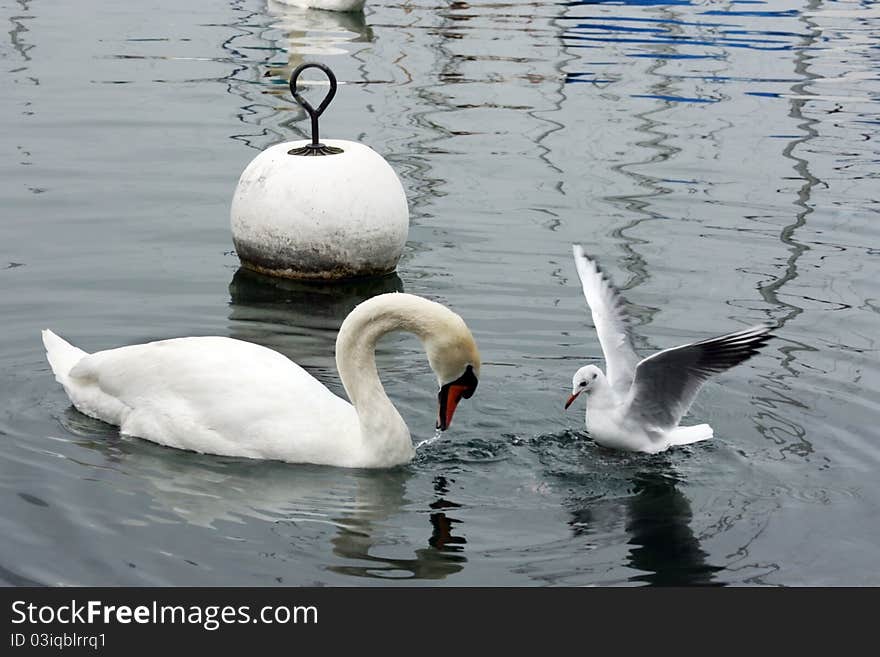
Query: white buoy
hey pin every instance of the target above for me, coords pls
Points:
(315, 210)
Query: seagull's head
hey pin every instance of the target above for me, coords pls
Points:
(584, 380)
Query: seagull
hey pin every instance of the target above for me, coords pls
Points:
(636, 404)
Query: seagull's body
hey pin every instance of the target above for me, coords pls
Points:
(636, 404)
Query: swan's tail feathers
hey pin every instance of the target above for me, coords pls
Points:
(61, 354)
(688, 435)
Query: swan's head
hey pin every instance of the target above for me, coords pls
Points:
(584, 380)
(452, 352)
(454, 357)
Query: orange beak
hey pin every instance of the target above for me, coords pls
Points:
(571, 400)
(452, 393)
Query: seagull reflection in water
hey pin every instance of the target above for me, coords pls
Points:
(662, 545)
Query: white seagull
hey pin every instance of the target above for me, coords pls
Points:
(636, 404)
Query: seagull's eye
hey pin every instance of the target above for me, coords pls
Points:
(583, 383)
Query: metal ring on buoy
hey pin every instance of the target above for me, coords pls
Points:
(316, 147)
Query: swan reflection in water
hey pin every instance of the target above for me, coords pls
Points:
(313, 33)
(305, 506)
(662, 545)
(441, 558)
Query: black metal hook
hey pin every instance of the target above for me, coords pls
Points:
(316, 147)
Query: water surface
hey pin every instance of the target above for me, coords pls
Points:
(720, 158)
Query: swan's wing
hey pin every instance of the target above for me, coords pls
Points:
(666, 383)
(212, 374)
(211, 394)
(610, 319)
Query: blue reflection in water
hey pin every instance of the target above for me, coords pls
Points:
(675, 99)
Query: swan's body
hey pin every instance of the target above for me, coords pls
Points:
(224, 396)
(636, 404)
(328, 5)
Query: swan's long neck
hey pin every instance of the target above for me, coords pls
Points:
(384, 434)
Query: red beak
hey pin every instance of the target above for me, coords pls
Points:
(452, 393)
(571, 400)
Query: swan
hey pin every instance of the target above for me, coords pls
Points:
(636, 405)
(224, 396)
(327, 5)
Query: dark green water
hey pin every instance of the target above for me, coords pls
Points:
(720, 158)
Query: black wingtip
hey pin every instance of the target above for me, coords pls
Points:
(726, 351)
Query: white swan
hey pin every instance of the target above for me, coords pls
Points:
(637, 404)
(328, 5)
(224, 396)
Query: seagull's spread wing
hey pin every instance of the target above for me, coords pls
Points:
(610, 319)
(666, 382)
